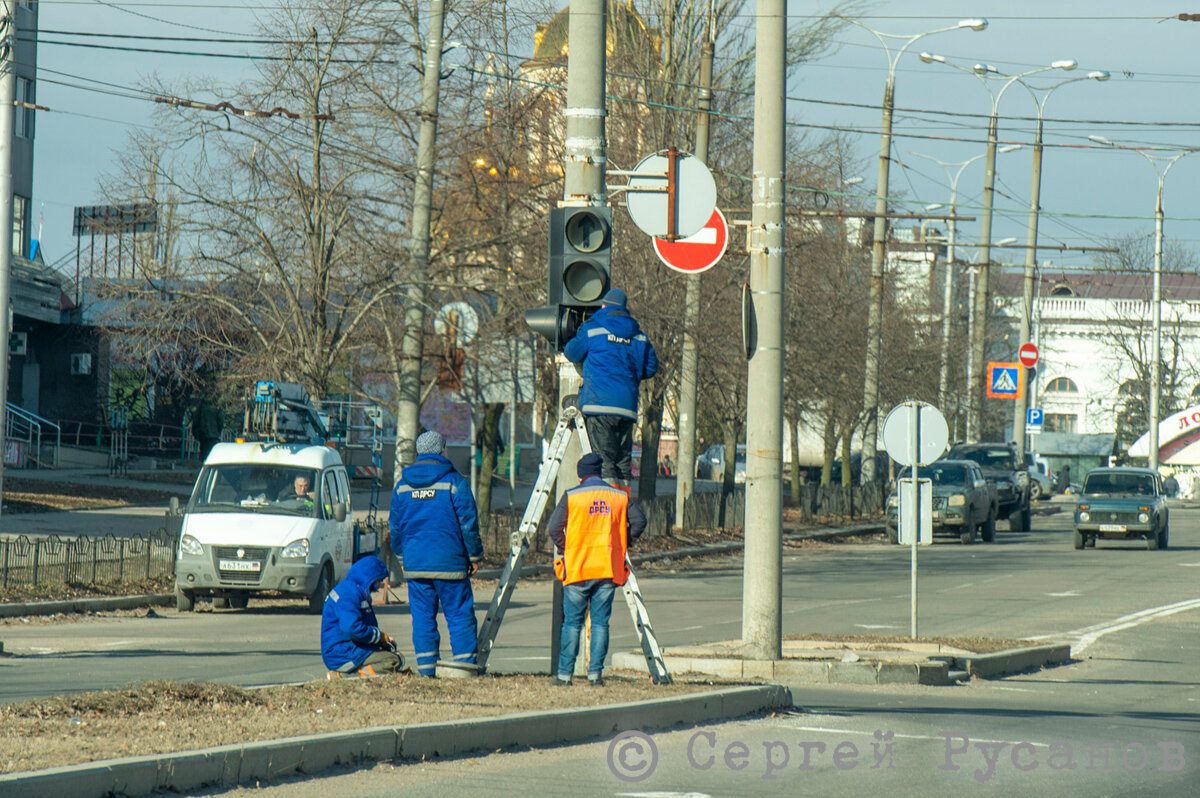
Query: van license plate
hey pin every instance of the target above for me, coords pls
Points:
(240, 565)
(1112, 528)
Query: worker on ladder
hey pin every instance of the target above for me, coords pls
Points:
(592, 526)
(614, 355)
(435, 533)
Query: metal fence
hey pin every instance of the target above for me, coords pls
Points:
(710, 511)
(26, 561)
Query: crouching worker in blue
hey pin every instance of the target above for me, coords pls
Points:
(435, 533)
(592, 526)
(351, 640)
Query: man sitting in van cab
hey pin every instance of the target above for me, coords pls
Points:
(351, 640)
(300, 490)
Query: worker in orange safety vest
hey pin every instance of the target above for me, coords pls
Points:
(592, 526)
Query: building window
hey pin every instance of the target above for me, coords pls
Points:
(23, 123)
(20, 223)
(1062, 385)
(1062, 290)
(1060, 422)
(1132, 388)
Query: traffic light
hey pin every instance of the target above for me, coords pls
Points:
(579, 267)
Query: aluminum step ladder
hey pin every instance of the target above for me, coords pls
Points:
(570, 422)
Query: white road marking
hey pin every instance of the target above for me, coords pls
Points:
(1067, 594)
(897, 735)
(1189, 564)
(1090, 634)
(960, 587)
(875, 625)
(665, 794)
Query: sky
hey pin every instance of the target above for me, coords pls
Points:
(1089, 192)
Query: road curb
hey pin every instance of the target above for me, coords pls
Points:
(938, 671)
(1015, 660)
(263, 761)
(86, 605)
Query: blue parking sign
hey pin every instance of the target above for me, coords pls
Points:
(1033, 417)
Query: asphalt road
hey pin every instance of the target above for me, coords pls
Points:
(1024, 585)
(135, 520)
(1123, 720)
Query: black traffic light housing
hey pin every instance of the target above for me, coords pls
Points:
(580, 266)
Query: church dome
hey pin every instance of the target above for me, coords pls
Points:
(627, 33)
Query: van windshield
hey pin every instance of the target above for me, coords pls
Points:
(255, 488)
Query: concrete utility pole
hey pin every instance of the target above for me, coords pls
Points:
(8, 92)
(408, 411)
(686, 461)
(762, 586)
(583, 185)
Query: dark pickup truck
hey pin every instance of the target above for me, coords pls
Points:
(998, 462)
(964, 502)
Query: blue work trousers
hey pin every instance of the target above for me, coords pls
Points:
(594, 596)
(455, 599)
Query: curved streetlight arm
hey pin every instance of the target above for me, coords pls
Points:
(1155, 411)
(879, 243)
(1031, 237)
(973, 24)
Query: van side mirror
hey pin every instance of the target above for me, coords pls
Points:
(339, 512)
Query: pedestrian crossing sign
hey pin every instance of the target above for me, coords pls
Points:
(1005, 380)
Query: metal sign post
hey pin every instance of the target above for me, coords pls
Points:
(915, 434)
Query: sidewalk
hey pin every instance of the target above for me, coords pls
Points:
(825, 661)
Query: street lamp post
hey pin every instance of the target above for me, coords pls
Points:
(977, 349)
(1035, 192)
(1155, 158)
(879, 241)
(948, 290)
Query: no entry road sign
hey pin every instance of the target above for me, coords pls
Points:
(1028, 355)
(699, 251)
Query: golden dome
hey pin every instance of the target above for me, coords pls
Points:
(627, 33)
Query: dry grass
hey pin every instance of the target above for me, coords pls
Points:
(161, 717)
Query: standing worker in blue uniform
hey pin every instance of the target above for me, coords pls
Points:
(592, 526)
(614, 355)
(435, 533)
(351, 640)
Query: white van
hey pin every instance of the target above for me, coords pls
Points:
(245, 530)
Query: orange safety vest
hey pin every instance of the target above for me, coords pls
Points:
(596, 527)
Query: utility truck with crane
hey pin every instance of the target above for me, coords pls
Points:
(270, 513)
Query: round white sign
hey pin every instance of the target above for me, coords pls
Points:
(695, 195)
(931, 431)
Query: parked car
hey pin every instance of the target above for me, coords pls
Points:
(998, 462)
(964, 502)
(1041, 486)
(1122, 504)
(711, 464)
(882, 468)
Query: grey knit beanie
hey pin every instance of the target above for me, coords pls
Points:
(430, 442)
